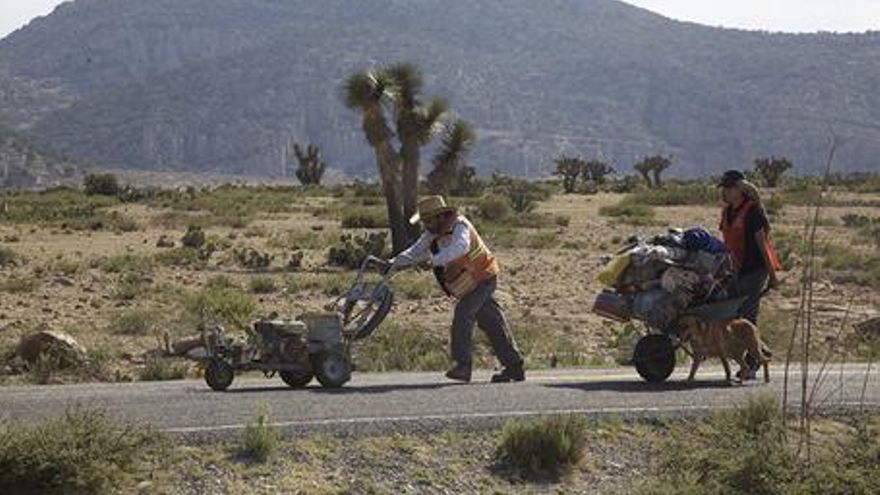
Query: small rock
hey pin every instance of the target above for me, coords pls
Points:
(64, 281)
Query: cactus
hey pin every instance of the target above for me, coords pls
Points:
(311, 167)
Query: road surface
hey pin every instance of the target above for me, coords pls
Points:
(383, 402)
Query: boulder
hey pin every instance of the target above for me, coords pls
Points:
(181, 347)
(58, 345)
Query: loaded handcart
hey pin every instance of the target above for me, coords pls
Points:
(657, 280)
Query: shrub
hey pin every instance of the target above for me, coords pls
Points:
(259, 440)
(80, 452)
(194, 237)
(101, 184)
(402, 348)
(124, 263)
(220, 306)
(252, 259)
(129, 286)
(352, 249)
(133, 322)
(543, 447)
(19, 285)
(630, 213)
(364, 218)
(163, 369)
(8, 256)
(494, 208)
(675, 194)
(66, 267)
(262, 285)
(522, 200)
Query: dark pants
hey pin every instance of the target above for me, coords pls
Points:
(480, 308)
(751, 285)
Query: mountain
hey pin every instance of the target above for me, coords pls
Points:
(22, 165)
(205, 85)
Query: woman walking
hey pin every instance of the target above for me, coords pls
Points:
(746, 231)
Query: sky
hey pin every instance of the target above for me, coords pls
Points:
(770, 15)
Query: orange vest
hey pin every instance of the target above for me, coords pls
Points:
(735, 237)
(462, 275)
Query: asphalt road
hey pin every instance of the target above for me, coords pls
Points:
(373, 403)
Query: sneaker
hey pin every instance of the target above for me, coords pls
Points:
(460, 372)
(513, 373)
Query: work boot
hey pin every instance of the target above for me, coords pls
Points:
(512, 373)
(460, 372)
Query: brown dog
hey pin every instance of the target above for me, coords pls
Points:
(727, 339)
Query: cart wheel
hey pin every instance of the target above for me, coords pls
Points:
(654, 358)
(332, 369)
(363, 316)
(296, 379)
(219, 375)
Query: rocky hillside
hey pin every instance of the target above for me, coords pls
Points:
(201, 85)
(22, 165)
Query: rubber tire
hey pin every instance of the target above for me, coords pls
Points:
(332, 369)
(219, 375)
(654, 358)
(296, 379)
(377, 318)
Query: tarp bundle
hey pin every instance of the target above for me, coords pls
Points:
(657, 278)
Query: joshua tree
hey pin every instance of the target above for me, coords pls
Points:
(596, 170)
(311, 167)
(366, 92)
(644, 169)
(416, 124)
(771, 169)
(656, 164)
(570, 169)
(451, 173)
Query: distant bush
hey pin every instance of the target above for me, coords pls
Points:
(194, 237)
(259, 440)
(133, 322)
(81, 452)
(101, 184)
(262, 285)
(628, 212)
(19, 285)
(252, 259)
(494, 208)
(8, 256)
(224, 306)
(545, 447)
(674, 195)
(163, 369)
(364, 218)
(352, 249)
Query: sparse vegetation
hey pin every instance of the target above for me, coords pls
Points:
(746, 450)
(81, 452)
(259, 440)
(134, 322)
(262, 285)
(352, 249)
(163, 369)
(225, 306)
(102, 184)
(8, 256)
(543, 448)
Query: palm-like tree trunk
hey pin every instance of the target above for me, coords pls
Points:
(388, 160)
(410, 155)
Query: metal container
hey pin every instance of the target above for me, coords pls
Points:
(324, 329)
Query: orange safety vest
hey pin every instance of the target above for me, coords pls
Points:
(462, 275)
(735, 237)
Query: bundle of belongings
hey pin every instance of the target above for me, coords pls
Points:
(656, 279)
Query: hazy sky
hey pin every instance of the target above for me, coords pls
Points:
(773, 15)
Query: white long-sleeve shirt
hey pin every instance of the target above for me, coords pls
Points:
(457, 245)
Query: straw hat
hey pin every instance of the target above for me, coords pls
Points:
(431, 206)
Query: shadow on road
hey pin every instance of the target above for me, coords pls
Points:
(642, 387)
(349, 389)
